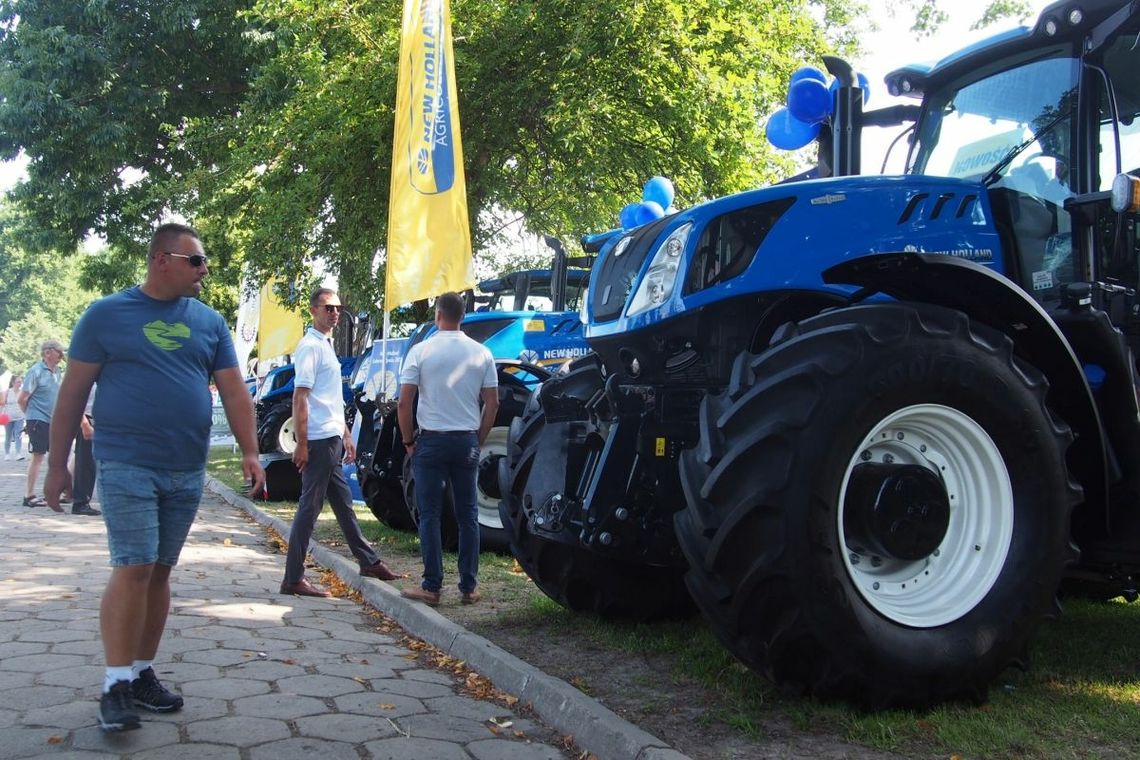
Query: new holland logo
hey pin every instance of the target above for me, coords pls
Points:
(432, 164)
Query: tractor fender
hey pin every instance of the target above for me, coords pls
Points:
(991, 299)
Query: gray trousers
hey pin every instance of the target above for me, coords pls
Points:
(323, 477)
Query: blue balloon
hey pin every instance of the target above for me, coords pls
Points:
(659, 190)
(810, 101)
(807, 72)
(628, 216)
(648, 211)
(789, 133)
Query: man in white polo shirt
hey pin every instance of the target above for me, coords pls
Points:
(323, 443)
(455, 380)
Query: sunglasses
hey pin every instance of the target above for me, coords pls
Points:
(329, 308)
(195, 261)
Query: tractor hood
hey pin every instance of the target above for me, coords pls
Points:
(781, 238)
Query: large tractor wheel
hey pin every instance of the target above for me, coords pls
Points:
(878, 509)
(385, 499)
(492, 535)
(275, 432)
(574, 576)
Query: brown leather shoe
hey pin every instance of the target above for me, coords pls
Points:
(470, 597)
(379, 571)
(430, 598)
(304, 588)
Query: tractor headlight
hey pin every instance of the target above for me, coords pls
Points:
(583, 299)
(657, 285)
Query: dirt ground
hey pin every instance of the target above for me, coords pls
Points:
(644, 689)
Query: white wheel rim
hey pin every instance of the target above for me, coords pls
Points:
(286, 438)
(955, 577)
(494, 446)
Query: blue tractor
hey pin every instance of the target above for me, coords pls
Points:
(870, 425)
(274, 406)
(529, 321)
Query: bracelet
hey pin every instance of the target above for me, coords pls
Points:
(409, 443)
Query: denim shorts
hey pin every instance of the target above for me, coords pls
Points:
(148, 511)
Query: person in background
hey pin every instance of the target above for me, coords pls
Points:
(37, 401)
(451, 374)
(14, 427)
(323, 442)
(152, 348)
(83, 484)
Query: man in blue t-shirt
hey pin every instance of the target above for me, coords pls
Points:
(152, 348)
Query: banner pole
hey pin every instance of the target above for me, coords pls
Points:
(384, 356)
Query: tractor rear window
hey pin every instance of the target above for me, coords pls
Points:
(729, 243)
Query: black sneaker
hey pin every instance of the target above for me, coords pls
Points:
(116, 713)
(85, 509)
(150, 694)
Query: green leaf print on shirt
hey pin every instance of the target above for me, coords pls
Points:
(163, 334)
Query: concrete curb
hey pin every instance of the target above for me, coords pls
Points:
(560, 705)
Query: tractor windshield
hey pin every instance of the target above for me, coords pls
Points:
(1013, 124)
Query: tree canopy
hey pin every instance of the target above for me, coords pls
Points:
(268, 123)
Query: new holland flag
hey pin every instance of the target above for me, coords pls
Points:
(429, 241)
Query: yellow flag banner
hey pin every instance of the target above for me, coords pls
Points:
(279, 330)
(429, 240)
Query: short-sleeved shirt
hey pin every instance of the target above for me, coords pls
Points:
(42, 385)
(450, 370)
(318, 369)
(153, 404)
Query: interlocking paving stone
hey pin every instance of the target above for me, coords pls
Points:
(497, 749)
(356, 729)
(306, 748)
(191, 751)
(240, 732)
(415, 748)
(382, 705)
(319, 686)
(429, 726)
(285, 706)
(408, 688)
(225, 688)
(265, 676)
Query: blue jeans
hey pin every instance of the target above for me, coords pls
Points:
(440, 458)
(148, 511)
(13, 430)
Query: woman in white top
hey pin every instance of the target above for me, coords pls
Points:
(14, 428)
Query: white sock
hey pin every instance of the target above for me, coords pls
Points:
(139, 666)
(122, 673)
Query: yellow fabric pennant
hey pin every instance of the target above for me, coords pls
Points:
(429, 239)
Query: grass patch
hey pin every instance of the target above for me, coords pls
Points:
(1079, 699)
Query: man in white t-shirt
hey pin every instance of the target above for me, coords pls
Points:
(323, 442)
(451, 374)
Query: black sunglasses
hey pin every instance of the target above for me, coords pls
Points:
(195, 261)
(332, 309)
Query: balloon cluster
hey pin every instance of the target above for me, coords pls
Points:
(656, 201)
(811, 101)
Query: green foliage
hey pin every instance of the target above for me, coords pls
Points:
(41, 295)
(20, 341)
(268, 123)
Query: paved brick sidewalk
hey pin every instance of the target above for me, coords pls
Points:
(264, 675)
